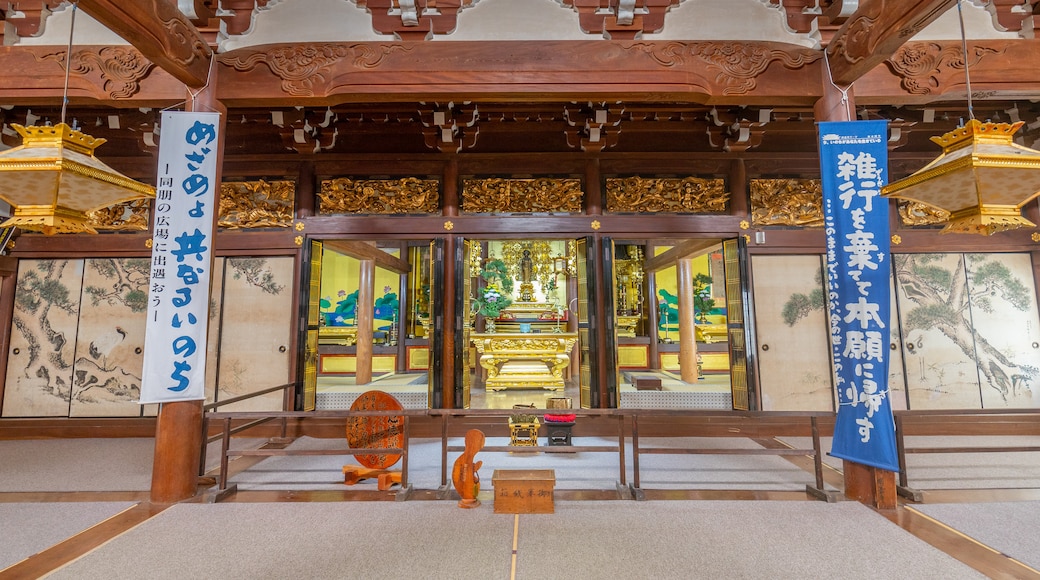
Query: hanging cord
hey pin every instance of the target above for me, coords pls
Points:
(68, 62)
(209, 75)
(844, 92)
(964, 47)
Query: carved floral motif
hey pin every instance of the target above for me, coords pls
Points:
(926, 66)
(666, 195)
(129, 216)
(913, 213)
(542, 195)
(256, 204)
(117, 70)
(408, 195)
(786, 202)
(736, 64)
(305, 68)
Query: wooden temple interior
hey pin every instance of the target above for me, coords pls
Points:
(645, 172)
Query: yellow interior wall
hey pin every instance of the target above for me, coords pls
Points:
(665, 279)
(339, 273)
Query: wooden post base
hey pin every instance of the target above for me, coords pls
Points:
(469, 503)
(871, 486)
(385, 479)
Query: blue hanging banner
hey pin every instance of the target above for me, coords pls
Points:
(854, 166)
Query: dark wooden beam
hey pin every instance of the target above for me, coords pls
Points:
(161, 32)
(690, 249)
(875, 32)
(366, 251)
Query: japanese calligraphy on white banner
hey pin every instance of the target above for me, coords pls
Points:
(854, 166)
(182, 246)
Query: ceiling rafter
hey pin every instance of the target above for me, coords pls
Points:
(875, 32)
(162, 33)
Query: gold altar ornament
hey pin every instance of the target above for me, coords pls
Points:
(516, 360)
(982, 178)
(53, 179)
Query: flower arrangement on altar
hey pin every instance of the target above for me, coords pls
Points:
(496, 295)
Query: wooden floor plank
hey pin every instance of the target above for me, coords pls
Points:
(60, 554)
(986, 560)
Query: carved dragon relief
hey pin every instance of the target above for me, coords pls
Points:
(117, 70)
(926, 66)
(305, 68)
(736, 64)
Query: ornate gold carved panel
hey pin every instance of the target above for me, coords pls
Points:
(786, 202)
(408, 195)
(256, 204)
(913, 213)
(129, 216)
(666, 195)
(542, 195)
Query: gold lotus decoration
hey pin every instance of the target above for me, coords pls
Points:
(53, 179)
(982, 179)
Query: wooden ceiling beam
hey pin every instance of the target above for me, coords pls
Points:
(689, 249)
(162, 33)
(875, 32)
(366, 251)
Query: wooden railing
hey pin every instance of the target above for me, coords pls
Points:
(961, 423)
(809, 418)
(207, 439)
(453, 422)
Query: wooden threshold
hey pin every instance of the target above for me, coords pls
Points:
(982, 558)
(58, 555)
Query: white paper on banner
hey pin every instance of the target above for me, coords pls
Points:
(182, 249)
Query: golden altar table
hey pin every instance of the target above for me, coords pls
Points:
(524, 360)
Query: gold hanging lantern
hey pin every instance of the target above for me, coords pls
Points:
(982, 179)
(53, 179)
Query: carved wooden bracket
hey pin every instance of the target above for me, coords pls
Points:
(414, 20)
(449, 128)
(306, 131)
(621, 19)
(26, 17)
(593, 127)
(238, 14)
(733, 131)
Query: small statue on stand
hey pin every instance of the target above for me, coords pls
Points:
(464, 475)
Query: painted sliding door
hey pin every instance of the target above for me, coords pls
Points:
(43, 338)
(255, 330)
(793, 345)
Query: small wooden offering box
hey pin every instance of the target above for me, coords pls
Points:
(524, 491)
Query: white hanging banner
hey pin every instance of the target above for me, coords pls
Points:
(182, 248)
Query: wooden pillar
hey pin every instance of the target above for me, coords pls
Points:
(178, 427)
(572, 324)
(652, 311)
(687, 330)
(866, 484)
(451, 188)
(738, 188)
(363, 318)
(593, 191)
(178, 447)
(869, 485)
(305, 198)
(404, 310)
(448, 361)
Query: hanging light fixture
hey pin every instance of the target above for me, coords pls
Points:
(983, 179)
(53, 179)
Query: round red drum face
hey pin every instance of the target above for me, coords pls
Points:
(376, 432)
